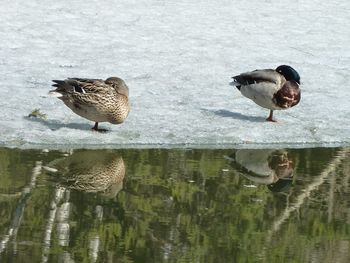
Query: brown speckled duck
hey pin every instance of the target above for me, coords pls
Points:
(95, 99)
(271, 89)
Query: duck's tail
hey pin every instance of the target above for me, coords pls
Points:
(62, 85)
(62, 88)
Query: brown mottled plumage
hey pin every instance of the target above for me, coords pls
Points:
(95, 99)
(93, 172)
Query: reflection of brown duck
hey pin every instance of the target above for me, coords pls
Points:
(94, 172)
(265, 166)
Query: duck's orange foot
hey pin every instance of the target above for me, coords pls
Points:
(270, 117)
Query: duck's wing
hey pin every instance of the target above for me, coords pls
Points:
(79, 86)
(257, 76)
(82, 80)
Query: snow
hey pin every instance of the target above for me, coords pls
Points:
(177, 58)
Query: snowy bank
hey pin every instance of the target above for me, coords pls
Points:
(177, 59)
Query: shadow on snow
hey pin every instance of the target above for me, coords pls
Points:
(55, 125)
(236, 115)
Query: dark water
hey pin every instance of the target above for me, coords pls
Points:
(175, 205)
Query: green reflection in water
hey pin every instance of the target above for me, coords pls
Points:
(175, 205)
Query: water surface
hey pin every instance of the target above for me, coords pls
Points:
(158, 205)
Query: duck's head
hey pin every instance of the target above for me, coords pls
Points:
(289, 73)
(119, 85)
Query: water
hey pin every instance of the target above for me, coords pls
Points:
(158, 205)
(177, 57)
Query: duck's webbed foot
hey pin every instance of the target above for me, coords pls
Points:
(95, 128)
(270, 117)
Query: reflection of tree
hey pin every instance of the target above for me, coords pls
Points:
(316, 222)
(18, 213)
(90, 172)
(317, 181)
(55, 206)
(187, 205)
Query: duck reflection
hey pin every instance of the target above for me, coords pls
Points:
(271, 167)
(94, 172)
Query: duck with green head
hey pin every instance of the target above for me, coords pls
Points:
(273, 89)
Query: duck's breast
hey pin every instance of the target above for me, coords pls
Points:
(119, 111)
(288, 96)
(87, 111)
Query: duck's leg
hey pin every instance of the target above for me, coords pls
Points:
(270, 117)
(95, 128)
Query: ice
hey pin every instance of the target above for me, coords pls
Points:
(177, 58)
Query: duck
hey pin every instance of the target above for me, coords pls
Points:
(273, 89)
(274, 168)
(95, 99)
(92, 171)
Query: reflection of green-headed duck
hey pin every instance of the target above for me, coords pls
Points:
(271, 89)
(265, 166)
(94, 172)
(94, 99)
